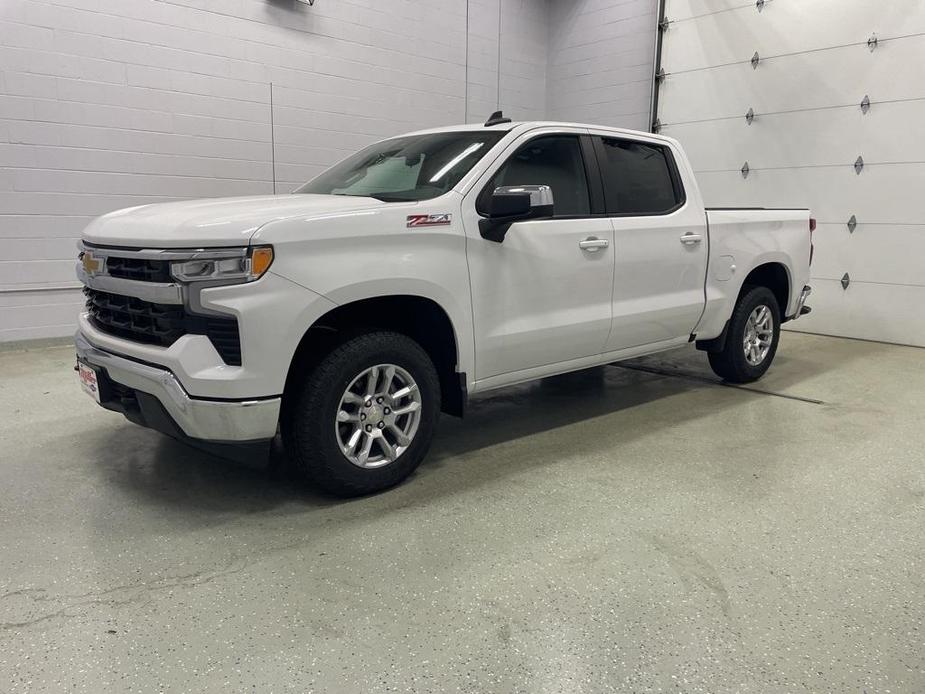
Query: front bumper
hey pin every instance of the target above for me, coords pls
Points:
(161, 402)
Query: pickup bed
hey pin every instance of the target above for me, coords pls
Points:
(425, 268)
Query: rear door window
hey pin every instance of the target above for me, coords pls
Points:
(639, 178)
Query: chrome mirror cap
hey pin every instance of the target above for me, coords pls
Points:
(540, 195)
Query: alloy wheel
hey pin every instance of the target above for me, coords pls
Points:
(378, 416)
(759, 333)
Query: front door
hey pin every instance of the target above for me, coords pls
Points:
(541, 296)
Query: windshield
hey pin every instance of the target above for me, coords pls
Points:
(415, 167)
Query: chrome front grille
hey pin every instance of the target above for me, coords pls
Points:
(131, 294)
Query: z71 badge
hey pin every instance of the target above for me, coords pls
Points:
(429, 220)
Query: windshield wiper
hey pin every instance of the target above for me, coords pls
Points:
(385, 197)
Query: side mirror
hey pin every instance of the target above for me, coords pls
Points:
(509, 204)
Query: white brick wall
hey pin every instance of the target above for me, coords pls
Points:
(601, 54)
(524, 39)
(111, 103)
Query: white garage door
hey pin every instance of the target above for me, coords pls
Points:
(803, 68)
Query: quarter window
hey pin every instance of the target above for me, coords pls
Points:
(552, 160)
(638, 177)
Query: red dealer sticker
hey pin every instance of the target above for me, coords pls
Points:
(429, 220)
(88, 380)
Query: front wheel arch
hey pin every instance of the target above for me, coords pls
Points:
(420, 318)
(311, 422)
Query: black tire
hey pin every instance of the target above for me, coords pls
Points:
(309, 429)
(731, 364)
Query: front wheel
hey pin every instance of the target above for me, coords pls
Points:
(364, 417)
(751, 340)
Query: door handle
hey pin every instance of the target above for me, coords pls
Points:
(592, 244)
(690, 239)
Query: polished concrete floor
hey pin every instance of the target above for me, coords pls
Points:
(624, 529)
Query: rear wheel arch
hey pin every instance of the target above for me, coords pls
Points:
(776, 277)
(751, 337)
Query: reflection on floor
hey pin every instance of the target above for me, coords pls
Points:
(622, 528)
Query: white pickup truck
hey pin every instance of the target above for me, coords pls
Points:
(425, 268)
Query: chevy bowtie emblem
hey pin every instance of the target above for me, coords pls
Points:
(91, 265)
(429, 220)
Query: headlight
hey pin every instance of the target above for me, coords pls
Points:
(243, 267)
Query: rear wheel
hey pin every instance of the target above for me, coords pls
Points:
(751, 340)
(363, 418)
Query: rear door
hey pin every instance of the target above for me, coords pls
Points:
(660, 243)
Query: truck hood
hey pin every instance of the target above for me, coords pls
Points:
(212, 222)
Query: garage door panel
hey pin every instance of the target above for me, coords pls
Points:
(806, 92)
(882, 253)
(815, 80)
(869, 311)
(887, 194)
(808, 138)
(785, 27)
(677, 10)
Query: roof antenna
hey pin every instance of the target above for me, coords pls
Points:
(496, 118)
